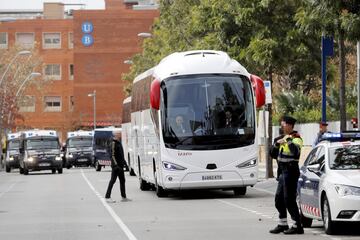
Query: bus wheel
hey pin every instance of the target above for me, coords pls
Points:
(53, 171)
(97, 166)
(60, 171)
(8, 169)
(160, 191)
(143, 185)
(132, 172)
(240, 191)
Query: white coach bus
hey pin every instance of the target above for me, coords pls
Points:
(126, 135)
(193, 123)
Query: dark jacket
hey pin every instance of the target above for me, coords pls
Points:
(117, 155)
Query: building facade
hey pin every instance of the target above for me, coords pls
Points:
(83, 52)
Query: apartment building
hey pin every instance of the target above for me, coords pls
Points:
(83, 52)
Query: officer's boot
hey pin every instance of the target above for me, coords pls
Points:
(296, 229)
(279, 229)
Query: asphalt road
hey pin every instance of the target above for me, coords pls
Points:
(71, 206)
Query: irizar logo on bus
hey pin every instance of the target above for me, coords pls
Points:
(183, 154)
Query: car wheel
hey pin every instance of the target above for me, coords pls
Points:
(329, 225)
(21, 170)
(53, 171)
(60, 171)
(8, 169)
(97, 166)
(240, 191)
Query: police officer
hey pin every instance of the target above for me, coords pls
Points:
(286, 150)
(322, 130)
(117, 166)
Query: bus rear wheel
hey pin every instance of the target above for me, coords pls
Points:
(240, 191)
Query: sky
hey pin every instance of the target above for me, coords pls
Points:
(38, 4)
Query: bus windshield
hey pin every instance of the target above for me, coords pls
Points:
(205, 112)
(14, 145)
(80, 142)
(42, 143)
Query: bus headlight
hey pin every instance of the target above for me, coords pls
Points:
(247, 164)
(30, 159)
(70, 156)
(57, 158)
(172, 166)
(344, 190)
(11, 158)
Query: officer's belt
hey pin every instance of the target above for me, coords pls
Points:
(287, 159)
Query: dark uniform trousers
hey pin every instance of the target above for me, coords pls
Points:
(285, 197)
(116, 172)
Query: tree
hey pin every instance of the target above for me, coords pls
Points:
(16, 66)
(336, 18)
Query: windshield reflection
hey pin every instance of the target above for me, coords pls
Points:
(80, 142)
(36, 144)
(345, 157)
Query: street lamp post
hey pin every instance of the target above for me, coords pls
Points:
(31, 75)
(94, 98)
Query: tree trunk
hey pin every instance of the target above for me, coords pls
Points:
(342, 100)
(269, 165)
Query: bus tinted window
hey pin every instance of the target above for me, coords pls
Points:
(208, 112)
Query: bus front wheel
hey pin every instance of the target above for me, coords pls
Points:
(240, 191)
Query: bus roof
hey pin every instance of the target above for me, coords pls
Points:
(80, 133)
(127, 100)
(194, 62)
(40, 133)
(14, 135)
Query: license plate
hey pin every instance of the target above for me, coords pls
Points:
(211, 177)
(82, 160)
(44, 164)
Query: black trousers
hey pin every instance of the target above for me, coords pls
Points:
(116, 173)
(285, 197)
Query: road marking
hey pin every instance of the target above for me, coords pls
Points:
(9, 188)
(110, 210)
(263, 190)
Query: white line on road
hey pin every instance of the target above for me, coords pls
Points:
(110, 210)
(263, 190)
(9, 188)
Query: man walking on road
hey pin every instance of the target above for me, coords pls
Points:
(287, 152)
(117, 166)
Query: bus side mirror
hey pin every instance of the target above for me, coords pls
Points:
(259, 89)
(155, 94)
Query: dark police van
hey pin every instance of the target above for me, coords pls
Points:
(12, 151)
(78, 149)
(40, 150)
(102, 146)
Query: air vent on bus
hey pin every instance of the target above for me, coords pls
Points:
(201, 53)
(211, 166)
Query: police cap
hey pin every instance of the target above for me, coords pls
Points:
(289, 120)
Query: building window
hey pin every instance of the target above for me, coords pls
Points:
(71, 40)
(52, 104)
(51, 40)
(26, 40)
(27, 104)
(52, 71)
(71, 103)
(71, 72)
(3, 40)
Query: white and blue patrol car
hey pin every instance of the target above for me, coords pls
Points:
(329, 183)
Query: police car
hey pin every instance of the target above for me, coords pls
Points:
(329, 182)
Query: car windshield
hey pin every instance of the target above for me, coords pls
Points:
(205, 112)
(42, 143)
(14, 145)
(345, 157)
(80, 142)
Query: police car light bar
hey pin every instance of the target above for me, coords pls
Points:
(338, 137)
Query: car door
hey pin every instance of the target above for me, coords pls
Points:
(310, 178)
